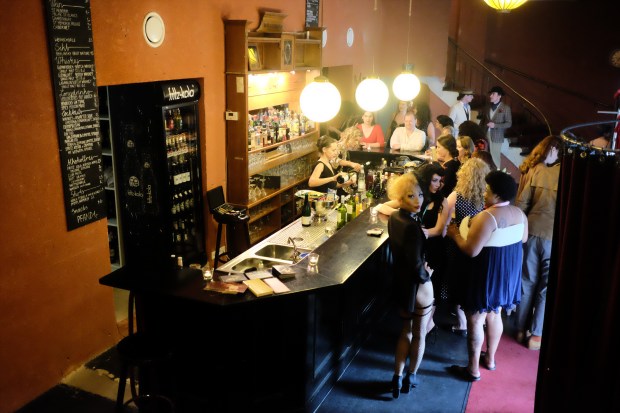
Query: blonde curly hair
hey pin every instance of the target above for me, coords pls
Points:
(399, 187)
(470, 183)
(349, 140)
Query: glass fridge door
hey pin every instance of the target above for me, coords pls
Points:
(183, 162)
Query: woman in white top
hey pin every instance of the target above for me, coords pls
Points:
(494, 240)
(408, 137)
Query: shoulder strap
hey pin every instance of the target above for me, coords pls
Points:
(492, 216)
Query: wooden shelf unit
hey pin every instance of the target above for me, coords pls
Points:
(276, 79)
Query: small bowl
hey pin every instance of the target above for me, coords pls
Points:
(322, 208)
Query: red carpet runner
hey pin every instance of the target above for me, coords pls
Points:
(510, 388)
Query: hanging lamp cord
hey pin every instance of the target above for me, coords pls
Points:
(408, 32)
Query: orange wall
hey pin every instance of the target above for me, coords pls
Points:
(54, 314)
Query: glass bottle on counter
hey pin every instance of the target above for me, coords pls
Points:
(342, 214)
(350, 208)
(306, 213)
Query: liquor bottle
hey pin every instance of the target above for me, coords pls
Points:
(361, 181)
(341, 219)
(350, 204)
(178, 120)
(306, 213)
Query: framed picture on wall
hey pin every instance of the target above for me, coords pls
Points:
(254, 60)
(287, 52)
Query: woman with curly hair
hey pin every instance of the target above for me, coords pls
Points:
(466, 200)
(349, 140)
(537, 198)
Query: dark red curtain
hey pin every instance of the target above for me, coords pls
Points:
(579, 367)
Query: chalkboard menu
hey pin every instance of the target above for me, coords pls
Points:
(312, 13)
(72, 61)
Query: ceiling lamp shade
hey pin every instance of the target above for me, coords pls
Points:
(371, 94)
(504, 6)
(320, 100)
(406, 86)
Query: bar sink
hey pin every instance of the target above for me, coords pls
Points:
(280, 252)
(252, 264)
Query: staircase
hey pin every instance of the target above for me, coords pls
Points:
(529, 124)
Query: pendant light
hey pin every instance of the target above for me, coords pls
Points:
(504, 6)
(320, 100)
(372, 94)
(406, 86)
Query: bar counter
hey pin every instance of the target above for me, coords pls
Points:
(374, 155)
(281, 352)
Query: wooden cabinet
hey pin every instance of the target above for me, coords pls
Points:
(267, 70)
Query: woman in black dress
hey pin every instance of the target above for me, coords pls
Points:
(434, 215)
(447, 155)
(412, 291)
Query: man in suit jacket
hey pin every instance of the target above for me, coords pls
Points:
(496, 118)
(460, 111)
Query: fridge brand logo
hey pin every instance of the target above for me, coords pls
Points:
(174, 94)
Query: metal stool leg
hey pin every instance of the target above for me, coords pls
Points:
(216, 261)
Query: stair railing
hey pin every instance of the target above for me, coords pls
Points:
(464, 70)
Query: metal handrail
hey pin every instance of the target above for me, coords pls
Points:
(490, 72)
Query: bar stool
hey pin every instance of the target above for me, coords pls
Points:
(144, 353)
(236, 221)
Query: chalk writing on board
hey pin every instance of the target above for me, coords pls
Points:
(312, 13)
(75, 90)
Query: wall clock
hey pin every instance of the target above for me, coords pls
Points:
(614, 58)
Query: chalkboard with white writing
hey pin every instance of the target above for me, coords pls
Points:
(72, 62)
(312, 13)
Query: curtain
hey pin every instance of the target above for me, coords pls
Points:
(579, 368)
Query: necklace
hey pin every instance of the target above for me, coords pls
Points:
(500, 204)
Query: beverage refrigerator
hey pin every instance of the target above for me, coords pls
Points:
(157, 156)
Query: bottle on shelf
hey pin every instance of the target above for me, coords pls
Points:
(306, 213)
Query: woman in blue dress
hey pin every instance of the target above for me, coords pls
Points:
(494, 240)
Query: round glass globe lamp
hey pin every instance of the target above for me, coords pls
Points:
(371, 94)
(406, 86)
(320, 100)
(504, 6)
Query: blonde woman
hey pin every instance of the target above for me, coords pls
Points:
(467, 200)
(465, 146)
(412, 290)
(349, 140)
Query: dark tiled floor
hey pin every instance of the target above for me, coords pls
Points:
(364, 387)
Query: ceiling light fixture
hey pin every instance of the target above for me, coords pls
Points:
(504, 6)
(406, 86)
(372, 94)
(320, 100)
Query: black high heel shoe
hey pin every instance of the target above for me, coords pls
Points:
(397, 382)
(410, 381)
